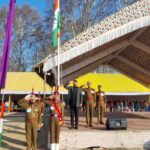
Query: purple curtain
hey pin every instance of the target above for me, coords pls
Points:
(6, 48)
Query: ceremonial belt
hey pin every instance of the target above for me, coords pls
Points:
(90, 99)
(58, 111)
(54, 115)
(33, 119)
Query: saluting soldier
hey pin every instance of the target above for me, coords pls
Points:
(101, 102)
(74, 102)
(56, 107)
(31, 120)
(41, 111)
(90, 100)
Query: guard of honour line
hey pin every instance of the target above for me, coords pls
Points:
(35, 108)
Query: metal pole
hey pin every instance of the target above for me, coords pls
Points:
(45, 110)
(44, 85)
(58, 60)
(9, 103)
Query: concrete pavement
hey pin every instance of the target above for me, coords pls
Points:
(136, 137)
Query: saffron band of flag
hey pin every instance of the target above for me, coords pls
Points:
(56, 24)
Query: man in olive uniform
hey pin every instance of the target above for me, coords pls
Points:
(101, 102)
(90, 98)
(41, 111)
(55, 118)
(32, 120)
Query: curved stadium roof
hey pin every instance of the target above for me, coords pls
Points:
(121, 41)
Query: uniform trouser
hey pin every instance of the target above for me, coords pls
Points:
(31, 134)
(40, 120)
(74, 114)
(63, 113)
(100, 113)
(89, 112)
(54, 130)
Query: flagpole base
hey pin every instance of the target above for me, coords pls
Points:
(1, 131)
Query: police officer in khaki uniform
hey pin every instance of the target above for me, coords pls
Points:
(90, 98)
(32, 120)
(41, 111)
(56, 107)
(101, 103)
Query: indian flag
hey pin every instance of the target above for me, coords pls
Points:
(56, 25)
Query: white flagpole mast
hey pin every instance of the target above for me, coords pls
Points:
(58, 47)
(58, 59)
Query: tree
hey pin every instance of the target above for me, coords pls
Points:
(78, 15)
(120, 4)
(26, 37)
(3, 20)
(31, 40)
(82, 14)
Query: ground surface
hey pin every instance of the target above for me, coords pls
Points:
(136, 137)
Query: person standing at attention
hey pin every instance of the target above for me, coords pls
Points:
(56, 119)
(74, 102)
(90, 98)
(31, 120)
(101, 103)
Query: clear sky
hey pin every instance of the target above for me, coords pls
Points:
(37, 4)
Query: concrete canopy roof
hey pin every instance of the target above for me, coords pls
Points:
(23, 82)
(122, 41)
(112, 84)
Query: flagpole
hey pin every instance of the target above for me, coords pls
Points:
(44, 85)
(58, 59)
(56, 38)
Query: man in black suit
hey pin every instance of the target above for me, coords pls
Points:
(74, 101)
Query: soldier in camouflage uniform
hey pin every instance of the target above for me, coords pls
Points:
(90, 99)
(56, 107)
(31, 120)
(101, 103)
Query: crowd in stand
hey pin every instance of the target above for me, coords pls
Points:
(126, 105)
(111, 106)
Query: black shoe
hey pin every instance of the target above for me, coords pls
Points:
(76, 127)
(101, 122)
(87, 126)
(91, 125)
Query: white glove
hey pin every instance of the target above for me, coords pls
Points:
(28, 97)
